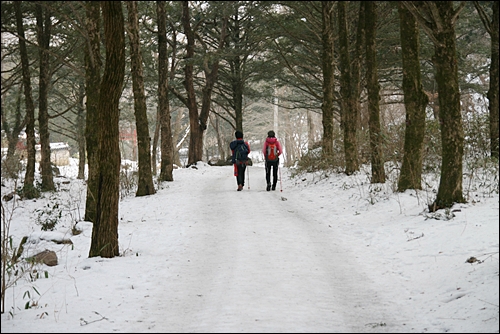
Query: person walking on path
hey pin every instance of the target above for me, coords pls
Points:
(240, 150)
(272, 150)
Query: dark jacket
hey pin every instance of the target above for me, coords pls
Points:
(233, 145)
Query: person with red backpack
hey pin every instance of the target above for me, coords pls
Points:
(240, 150)
(272, 150)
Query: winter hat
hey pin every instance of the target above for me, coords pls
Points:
(238, 134)
(271, 133)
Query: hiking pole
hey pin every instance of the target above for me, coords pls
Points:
(248, 178)
(281, 185)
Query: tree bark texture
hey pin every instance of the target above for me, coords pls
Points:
(494, 84)
(93, 65)
(349, 113)
(80, 131)
(357, 62)
(195, 151)
(167, 147)
(328, 60)
(44, 25)
(415, 103)
(29, 177)
(105, 230)
(373, 88)
(450, 117)
(12, 133)
(145, 184)
(492, 29)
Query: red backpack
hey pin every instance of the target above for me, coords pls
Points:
(272, 152)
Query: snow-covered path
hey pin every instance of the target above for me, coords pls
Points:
(252, 261)
(332, 254)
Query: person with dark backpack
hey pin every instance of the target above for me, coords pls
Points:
(240, 150)
(272, 151)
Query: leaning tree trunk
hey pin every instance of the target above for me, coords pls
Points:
(93, 66)
(29, 178)
(44, 25)
(167, 147)
(415, 103)
(145, 184)
(328, 60)
(373, 88)
(104, 241)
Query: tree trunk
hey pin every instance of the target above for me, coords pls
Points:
(349, 109)
(198, 122)
(167, 147)
(29, 178)
(494, 84)
(145, 184)
(311, 138)
(328, 60)
(93, 66)
(452, 135)
(373, 88)
(356, 65)
(156, 137)
(415, 103)
(44, 25)
(80, 132)
(12, 133)
(105, 231)
(438, 18)
(195, 151)
(492, 29)
(177, 133)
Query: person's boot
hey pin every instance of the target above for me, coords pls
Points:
(274, 187)
(240, 187)
(268, 187)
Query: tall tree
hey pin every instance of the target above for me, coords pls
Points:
(93, 65)
(167, 147)
(248, 31)
(415, 103)
(104, 241)
(349, 110)
(29, 177)
(492, 29)
(44, 27)
(198, 119)
(328, 61)
(373, 89)
(196, 129)
(438, 19)
(145, 184)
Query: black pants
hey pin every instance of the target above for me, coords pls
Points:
(274, 166)
(240, 178)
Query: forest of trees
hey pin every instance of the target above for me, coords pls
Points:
(410, 83)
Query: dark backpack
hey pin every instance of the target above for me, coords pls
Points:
(241, 152)
(272, 152)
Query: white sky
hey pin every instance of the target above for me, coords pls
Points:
(316, 255)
